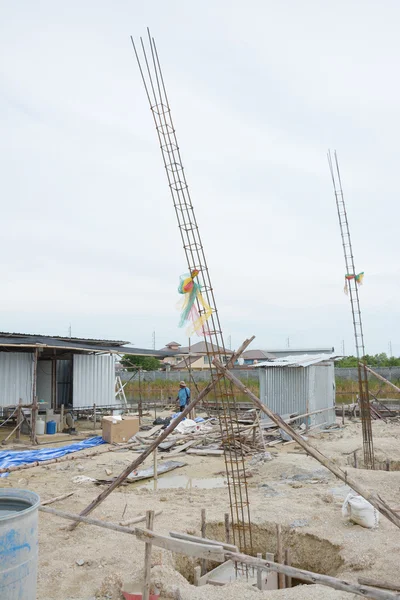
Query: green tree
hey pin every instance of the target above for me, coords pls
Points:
(346, 362)
(376, 360)
(147, 363)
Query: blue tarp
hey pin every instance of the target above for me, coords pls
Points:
(13, 458)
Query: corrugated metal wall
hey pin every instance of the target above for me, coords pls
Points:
(289, 390)
(16, 376)
(322, 393)
(284, 390)
(43, 380)
(64, 382)
(93, 380)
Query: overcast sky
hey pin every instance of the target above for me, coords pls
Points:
(259, 91)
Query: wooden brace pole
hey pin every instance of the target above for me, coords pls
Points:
(34, 408)
(209, 551)
(140, 459)
(310, 577)
(387, 585)
(372, 497)
(382, 378)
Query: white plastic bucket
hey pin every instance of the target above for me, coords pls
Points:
(18, 544)
(40, 426)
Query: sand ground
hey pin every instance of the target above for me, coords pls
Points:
(291, 489)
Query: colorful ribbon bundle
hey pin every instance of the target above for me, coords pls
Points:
(359, 279)
(192, 292)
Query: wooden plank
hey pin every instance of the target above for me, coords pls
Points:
(180, 448)
(209, 452)
(272, 576)
(227, 573)
(259, 574)
(167, 445)
(201, 540)
(310, 577)
(209, 552)
(372, 497)
(197, 575)
(148, 473)
(150, 432)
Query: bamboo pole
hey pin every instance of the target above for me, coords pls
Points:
(57, 499)
(134, 465)
(19, 420)
(147, 556)
(310, 577)
(61, 417)
(10, 434)
(138, 519)
(372, 497)
(203, 535)
(227, 532)
(155, 468)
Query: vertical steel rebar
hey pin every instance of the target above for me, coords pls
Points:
(153, 81)
(365, 409)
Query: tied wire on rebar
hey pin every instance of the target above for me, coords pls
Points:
(365, 409)
(153, 81)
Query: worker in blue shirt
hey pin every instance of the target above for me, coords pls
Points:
(183, 396)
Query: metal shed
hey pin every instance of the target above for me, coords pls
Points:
(60, 371)
(298, 385)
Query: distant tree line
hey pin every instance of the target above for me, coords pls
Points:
(147, 363)
(376, 360)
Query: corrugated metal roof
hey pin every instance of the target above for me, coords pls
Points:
(291, 351)
(304, 360)
(35, 341)
(34, 336)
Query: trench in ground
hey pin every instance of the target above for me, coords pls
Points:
(307, 551)
(356, 459)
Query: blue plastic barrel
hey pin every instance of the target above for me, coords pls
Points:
(18, 544)
(51, 427)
